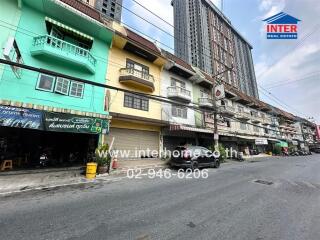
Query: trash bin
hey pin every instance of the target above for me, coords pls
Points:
(91, 170)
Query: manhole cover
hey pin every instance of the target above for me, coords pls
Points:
(263, 182)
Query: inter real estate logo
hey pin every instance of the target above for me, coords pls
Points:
(282, 26)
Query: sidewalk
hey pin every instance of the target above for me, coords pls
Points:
(261, 155)
(27, 180)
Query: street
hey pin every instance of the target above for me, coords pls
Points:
(226, 205)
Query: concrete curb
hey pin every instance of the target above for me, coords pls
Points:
(83, 181)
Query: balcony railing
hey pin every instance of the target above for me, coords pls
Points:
(227, 110)
(256, 118)
(136, 77)
(243, 115)
(206, 102)
(57, 47)
(179, 93)
(266, 121)
(136, 73)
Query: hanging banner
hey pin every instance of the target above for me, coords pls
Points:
(20, 117)
(61, 122)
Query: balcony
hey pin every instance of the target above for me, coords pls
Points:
(245, 116)
(53, 47)
(136, 78)
(206, 103)
(179, 94)
(227, 110)
(256, 119)
(266, 121)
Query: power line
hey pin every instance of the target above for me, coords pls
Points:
(313, 30)
(157, 27)
(152, 97)
(298, 44)
(287, 82)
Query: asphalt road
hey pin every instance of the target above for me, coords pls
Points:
(226, 205)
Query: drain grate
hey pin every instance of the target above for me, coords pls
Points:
(263, 182)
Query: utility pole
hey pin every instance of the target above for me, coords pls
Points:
(215, 111)
(215, 116)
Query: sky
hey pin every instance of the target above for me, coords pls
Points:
(287, 71)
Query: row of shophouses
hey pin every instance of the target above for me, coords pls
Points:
(39, 109)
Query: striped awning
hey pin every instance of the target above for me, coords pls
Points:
(68, 29)
(190, 129)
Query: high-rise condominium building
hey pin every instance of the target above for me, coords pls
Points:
(111, 9)
(205, 38)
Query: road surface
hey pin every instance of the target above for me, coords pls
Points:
(229, 204)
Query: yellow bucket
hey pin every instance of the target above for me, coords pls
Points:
(91, 170)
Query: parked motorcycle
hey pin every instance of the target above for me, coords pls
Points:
(294, 153)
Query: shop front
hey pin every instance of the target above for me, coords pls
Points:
(180, 135)
(33, 138)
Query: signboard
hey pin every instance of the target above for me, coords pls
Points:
(59, 122)
(295, 143)
(261, 141)
(20, 117)
(219, 92)
(215, 136)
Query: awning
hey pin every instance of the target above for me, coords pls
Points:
(191, 129)
(246, 137)
(68, 29)
(273, 140)
(282, 144)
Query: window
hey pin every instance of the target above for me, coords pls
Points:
(62, 86)
(144, 70)
(180, 112)
(136, 102)
(45, 82)
(243, 126)
(177, 83)
(76, 89)
(240, 109)
(255, 129)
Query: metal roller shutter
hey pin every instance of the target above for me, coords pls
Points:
(131, 140)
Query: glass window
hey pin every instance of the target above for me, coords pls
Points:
(180, 112)
(243, 126)
(76, 89)
(136, 102)
(45, 82)
(62, 86)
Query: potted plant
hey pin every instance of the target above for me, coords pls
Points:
(103, 158)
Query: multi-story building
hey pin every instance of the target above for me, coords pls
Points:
(40, 109)
(134, 65)
(307, 131)
(180, 83)
(205, 38)
(110, 9)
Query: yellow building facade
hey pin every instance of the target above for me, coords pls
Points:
(135, 64)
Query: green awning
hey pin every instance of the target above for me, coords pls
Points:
(68, 29)
(282, 144)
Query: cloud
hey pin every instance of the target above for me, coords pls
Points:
(284, 60)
